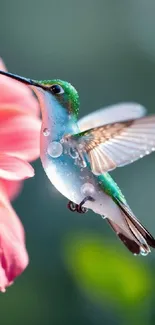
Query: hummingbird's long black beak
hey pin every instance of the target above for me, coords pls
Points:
(22, 79)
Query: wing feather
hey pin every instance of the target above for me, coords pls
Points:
(118, 144)
(119, 112)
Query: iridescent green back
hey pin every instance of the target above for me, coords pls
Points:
(110, 187)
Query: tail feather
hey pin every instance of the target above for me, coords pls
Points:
(141, 229)
(131, 244)
(136, 238)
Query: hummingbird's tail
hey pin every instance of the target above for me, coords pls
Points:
(135, 237)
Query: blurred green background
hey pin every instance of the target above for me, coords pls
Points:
(79, 273)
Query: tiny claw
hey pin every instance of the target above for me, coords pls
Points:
(81, 209)
(76, 207)
(72, 206)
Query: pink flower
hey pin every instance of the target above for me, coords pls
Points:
(19, 144)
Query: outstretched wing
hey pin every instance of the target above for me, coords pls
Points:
(115, 113)
(117, 144)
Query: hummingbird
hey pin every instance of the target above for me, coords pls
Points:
(78, 154)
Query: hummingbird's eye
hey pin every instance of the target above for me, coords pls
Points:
(57, 89)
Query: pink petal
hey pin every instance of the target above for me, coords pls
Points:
(12, 188)
(13, 168)
(13, 220)
(8, 111)
(13, 257)
(15, 93)
(20, 137)
(13, 254)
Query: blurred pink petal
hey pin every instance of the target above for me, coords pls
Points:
(19, 136)
(12, 188)
(13, 254)
(15, 93)
(14, 168)
(19, 144)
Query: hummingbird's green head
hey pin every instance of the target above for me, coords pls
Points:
(61, 90)
(64, 93)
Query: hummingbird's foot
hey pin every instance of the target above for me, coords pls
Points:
(79, 207)
(72, 206)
